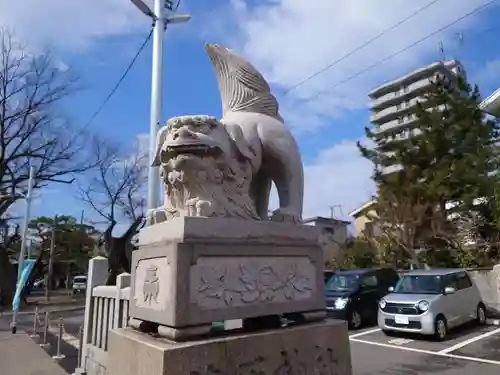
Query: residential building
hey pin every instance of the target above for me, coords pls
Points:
(366, 220)
(491, 104)
(393, 104)
(333, 235)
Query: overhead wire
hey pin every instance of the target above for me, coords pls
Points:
(370, 67)
(121, 79)
(362, 46)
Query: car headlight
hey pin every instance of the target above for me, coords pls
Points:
(382, 303)
(340, 303)
(423, 305)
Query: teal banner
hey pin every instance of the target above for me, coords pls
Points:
(28, 265)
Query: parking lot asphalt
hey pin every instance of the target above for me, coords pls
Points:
(469, 350)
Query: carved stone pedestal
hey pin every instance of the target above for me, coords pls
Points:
(190, 272)
(316, 348)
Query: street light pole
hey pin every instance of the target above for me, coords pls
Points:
(162, 14)
(26, 222)
(156, 102)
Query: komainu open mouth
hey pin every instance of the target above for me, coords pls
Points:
(197, 149)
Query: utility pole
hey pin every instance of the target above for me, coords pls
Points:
(48, 282)
(162, 14)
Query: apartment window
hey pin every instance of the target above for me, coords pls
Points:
(400, 119)
(406, 89)
(407, 103)
(396, 93)
(398, 106)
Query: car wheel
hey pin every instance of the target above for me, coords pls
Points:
(440, 328)
(355, 320)
(481, 314)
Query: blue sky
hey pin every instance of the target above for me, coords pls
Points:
(288, 40)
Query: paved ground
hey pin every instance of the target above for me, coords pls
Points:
(69, 345)
(19, 354)
(470, 350)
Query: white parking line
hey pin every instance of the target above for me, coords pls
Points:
(469, 341)
(422, 351)
(364, 333)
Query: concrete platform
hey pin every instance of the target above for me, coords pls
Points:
(315, 348)
(20, 355)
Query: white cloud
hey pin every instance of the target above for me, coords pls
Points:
(70, 24)
(486, 75)
(337, 177)
(291, 39)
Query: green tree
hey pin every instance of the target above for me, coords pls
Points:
(73, 242)
(448, 159)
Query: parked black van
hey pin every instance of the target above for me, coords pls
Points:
(353, 295)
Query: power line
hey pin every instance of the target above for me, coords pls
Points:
(112, 92)
(357, 74)
(368, 42)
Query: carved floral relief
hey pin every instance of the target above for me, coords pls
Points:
(235, 282)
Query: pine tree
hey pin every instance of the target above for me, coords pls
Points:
(447, 160)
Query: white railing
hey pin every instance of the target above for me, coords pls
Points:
(106, 308)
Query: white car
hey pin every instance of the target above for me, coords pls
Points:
(79, 284)
(431, 302)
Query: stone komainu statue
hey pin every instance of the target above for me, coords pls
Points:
(225, 168)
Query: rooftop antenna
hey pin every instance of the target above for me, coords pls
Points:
(460, 37)
(441, 50)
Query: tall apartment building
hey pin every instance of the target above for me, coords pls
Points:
(393, 103)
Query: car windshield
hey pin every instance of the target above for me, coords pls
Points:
(419, 284)
(80, 279)
(340, 282)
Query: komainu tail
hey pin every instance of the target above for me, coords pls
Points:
(242, 87)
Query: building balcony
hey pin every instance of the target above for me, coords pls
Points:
(451, 66)
(389, 140)
(491, 104)
(395, 126)
(399, 110)
(405, 93)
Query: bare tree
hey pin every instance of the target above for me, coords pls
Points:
(114, 188)
(33, 128)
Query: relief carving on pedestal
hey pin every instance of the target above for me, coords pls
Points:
(291, 364)
(150, 274)
(150, 288)
(325, 362)
(229, 282)
(253, 367)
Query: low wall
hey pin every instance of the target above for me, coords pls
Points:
(106, 308)
(488, 282)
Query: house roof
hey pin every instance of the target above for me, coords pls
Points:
(363, 207)
(324, 219)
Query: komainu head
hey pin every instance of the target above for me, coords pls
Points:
(205, 167)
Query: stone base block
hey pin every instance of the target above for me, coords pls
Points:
(316, 348)
(190, 272)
